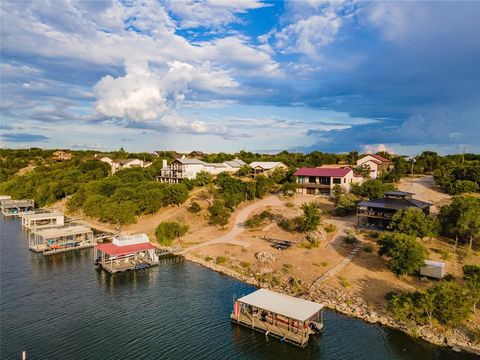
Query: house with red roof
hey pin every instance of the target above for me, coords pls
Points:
(376, 163)
(321, 181)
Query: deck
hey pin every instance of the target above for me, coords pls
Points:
(42, 248)
(279, 331)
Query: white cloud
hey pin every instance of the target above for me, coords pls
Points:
(211, 13)
(375, 148)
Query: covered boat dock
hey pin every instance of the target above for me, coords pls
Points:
(61, 239)
(282, 316)
(17, 207)
(43, 220)
(126, 252)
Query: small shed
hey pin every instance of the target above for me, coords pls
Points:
(282, 316)
(433, 269)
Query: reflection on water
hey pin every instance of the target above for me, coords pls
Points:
(62, 307)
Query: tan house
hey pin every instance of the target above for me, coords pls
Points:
(321, 181)
(266, 167)
(120, 164)
(60, 155)
(376, 163)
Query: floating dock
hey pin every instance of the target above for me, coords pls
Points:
(11, 207)
(126, 252)
(61, 239)
(40, 220)
(287, 318)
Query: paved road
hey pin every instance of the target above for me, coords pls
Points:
(238, 228)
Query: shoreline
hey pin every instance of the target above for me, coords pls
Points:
(334, 299)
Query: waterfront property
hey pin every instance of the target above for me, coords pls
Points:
(375, 163)
(44, 219)
(126, 252)
(285, 317)
(17, 207)
(378, 213)
(61, 239)
(266, 167)
(184, 168)
(321, 181)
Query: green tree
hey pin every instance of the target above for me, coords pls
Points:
(372, 189)
(245, 170)
(176, 194)
(278, 175)
(406, 254)
(461, 219)
(262, 186)
(203, 178)
(219, 213)
(463, 186)
(471, 275)
(310, 220)
(452, 304)
(414, 222)
(289, 188)
(168, 231)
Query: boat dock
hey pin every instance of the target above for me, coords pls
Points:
(284, 317)
(11, 207)
(61, 239)
(39, 220)
(126, 252)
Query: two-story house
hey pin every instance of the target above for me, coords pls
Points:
(376, 163)
(321, 181)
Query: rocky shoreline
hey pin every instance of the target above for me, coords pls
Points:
(337, 300)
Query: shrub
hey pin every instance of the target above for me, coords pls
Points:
(259, 219)
(168, 231)
(219, 214)
(351, 238)
(310, 219)
(413, 222)
(368, 248)
(463, 186)
(194, 208)
(244, 264)
(220, 260)
(286, 268)
(344, 282)
(330, 228)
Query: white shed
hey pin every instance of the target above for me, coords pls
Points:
(433, 269)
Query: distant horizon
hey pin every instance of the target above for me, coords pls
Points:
(259, 75)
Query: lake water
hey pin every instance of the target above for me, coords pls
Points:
(61, 307)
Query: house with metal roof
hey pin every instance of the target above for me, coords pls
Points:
(266, 167)
(278, 315)
(321, 181)
(378, 213)
(375, 163)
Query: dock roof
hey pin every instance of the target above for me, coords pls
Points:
(63, 231)
(289, 306)
(44, 215)
(112, 249)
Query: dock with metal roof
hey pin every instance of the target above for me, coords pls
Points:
(39, 220)
(61, 239)
(12, 208)
(285, 317)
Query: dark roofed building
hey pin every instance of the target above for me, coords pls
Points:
(378, 213)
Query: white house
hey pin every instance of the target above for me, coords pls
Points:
(184, 168)
(117, 165)
(321, 181)
(376, 163)
(266, 167)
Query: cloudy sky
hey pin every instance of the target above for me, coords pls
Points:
(226, 75)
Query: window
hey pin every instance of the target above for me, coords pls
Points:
(337, 180)
(325, 180)
(311, 191)
(344, 181)
(311, 179)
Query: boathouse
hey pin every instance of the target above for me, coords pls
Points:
(281, 316)
(43, 220)
(61, 239)
(126, 252)
(17, 207)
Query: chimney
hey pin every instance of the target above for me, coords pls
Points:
(164, 163)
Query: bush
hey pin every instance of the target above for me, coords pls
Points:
(414, 222)
(406, 254)
(463, 186)
(368, 248)
(244, 264)
(329, 228)
(372, 189)
(203, 178)
(259, 219)
(219, 214)
(351, 238)
(168, 231)
(194, 208)
(220, 260)
(311, 217)
(286, 268)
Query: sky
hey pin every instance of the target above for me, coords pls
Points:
(230, 75)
